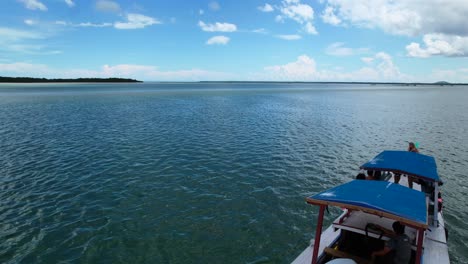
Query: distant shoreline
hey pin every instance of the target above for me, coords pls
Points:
(369, 83)
(127, 80)
(77, 80)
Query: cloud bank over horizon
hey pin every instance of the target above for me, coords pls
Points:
(282, 40)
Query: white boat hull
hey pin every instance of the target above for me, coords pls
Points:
(435, 249)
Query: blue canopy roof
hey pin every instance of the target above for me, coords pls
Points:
(404, 162)
(377, 197)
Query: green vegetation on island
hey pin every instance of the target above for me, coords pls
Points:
(77, 80)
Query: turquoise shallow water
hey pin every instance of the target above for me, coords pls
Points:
(204, 173)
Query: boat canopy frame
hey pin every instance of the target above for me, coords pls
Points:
(405, 162)
(410, 163)
(384, 199)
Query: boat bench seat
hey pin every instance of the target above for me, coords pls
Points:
(341, 254)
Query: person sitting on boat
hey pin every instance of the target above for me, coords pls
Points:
(399, 243)
(361, 176)
(396, 177)
(373, 175)
(411, 148)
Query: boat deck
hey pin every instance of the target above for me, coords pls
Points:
(357, 221)
(435, 244)
(328, 237)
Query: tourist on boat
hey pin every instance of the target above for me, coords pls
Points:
(396, 177)
(399, 244)
(361, 176)
(411, 148)
(373, 175)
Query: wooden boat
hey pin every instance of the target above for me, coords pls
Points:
(366, 203)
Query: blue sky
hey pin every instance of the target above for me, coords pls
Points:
(283, 40)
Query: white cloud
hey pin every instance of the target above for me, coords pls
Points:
(135, 21)
(279, 19)
(441, 23)
(260, 31)
(404, 17)
(266, 8)
(30, 22)
(217, 27)
(148, 72)
(329, 17)
(453, 75)
(444, 74)
(20, 41)
(70, 3)
(394, 17)
(33, 49)
(305, 69)
(125, 69)
(33, 5)
(61, 23)
(339, 49)
(107, 6)
(83, 24)
(386, 67)
(9, 34)
(439, 44)
(219, 40)
(367, 60)
(289, 37)
(140, 72)
(299, 12)
(310, 29)
(23, 68)
(214, 6)
(89, 24)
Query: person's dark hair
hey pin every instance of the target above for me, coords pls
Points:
(398, 228)
(361, 176)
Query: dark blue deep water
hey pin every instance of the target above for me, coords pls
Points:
(204, 173)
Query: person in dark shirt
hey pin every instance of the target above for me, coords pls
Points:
(373, 175)
(400, 244)
(361, 176)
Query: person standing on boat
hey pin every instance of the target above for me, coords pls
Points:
(397, 176)
(400, 245)
(411, 148)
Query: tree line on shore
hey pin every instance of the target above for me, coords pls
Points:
(45, 80)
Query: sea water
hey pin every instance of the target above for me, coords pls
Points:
(205, 172)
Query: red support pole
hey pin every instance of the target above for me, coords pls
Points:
(318, 234)
(420, 245)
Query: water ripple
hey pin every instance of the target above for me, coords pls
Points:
(208, 174)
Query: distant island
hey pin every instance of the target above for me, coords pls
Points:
(78, 80)
(443, 83)
(126, 80)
